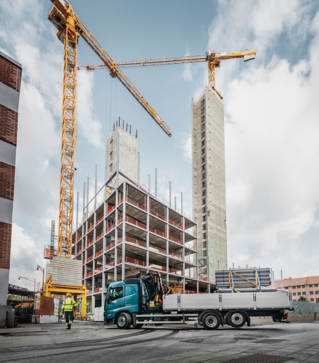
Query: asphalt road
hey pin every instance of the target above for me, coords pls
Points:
(93, 342)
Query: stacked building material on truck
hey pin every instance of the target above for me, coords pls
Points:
(65, 272)
(243, 280)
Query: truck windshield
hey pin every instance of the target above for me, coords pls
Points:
(115, 293)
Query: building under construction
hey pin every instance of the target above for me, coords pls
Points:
(209, 187)
(126, 231)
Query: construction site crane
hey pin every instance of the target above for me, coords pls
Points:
(70, 28)
(212, 58)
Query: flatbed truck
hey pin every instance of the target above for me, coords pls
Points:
(137, 302)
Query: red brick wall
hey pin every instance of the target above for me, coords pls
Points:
(8, 125)
(10, 74)
(5, 244)
(6, 181)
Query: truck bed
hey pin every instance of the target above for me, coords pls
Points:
(220, 301)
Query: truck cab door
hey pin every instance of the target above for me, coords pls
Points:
(131, 298)
(115, 301)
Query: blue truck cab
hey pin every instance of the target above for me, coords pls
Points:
(123, 300)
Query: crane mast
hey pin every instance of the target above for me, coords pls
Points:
(69, 29)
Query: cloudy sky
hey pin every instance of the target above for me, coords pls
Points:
(271, 116)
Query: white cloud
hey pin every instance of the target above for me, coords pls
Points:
(185, 144)
(25, 258)
(271, 134)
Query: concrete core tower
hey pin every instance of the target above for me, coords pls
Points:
(209, 189)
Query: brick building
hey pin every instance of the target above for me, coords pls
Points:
(10, 81)
(302, 286)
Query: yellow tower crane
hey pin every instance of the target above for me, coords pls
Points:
(212, 58)
(70, 28)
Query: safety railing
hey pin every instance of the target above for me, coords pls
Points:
(111, 245)
(79, 251)
(178, 225)
(79, 238)
(158, 232)
(99, 220)
(135, 222)
(157, 267)
(99, 236)
(158, 215)
(97, 270)
(110, 225)
(89, 274)
(133, 241)
(98, 289)
(99, 253)
(88, 292)
(137, 204)
(176, 255)
(133, 261)
(175, 271)
(110, 208)
(174, 239)
(90, 258)
(90, 229)
(90, 242)
(109, 265)
(153, 248)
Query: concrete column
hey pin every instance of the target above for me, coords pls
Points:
(147, 233)
(76, 225)
(123, 230)
(118, 161)
(83, 216)
(138, 170)
(116, 234)
(95, 187)
(184, 257)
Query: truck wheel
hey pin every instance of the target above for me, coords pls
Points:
(237, 319)
(211, 321)
(124, 321)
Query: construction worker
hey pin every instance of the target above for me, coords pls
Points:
(67, 308)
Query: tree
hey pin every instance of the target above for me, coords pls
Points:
(303, 298)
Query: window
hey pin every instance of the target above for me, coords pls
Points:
(316, 285)
(311, 292)
(310, 285)
(294, 294)
(204, 209)
(203, 201)
(129, 290)
(204, 235)
(204, 218)
(203, 159)
(205, 253)
(203, 143)
(303, 286)
(203, 134)
(115, 293)
(317, 292)
(294, 287)
(312, 299)
(203, 193)
(204, 176)
(304, 293)
(298, 287)
(203, 167)
(203, 151)
(299, 293)
(204, 227)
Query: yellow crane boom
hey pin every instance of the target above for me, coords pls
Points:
(70, 28)
(212, 58)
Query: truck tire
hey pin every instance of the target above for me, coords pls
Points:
(124, 321)
(211, 321)
(237, 319)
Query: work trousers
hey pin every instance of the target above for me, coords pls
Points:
(69, 317)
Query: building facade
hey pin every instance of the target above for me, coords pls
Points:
(10, 81)
(209, 186)
(307, 287)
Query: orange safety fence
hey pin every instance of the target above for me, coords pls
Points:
(98, 289)
(90, 229)
(137, 204)
(175, 271)
(79, 251)
(99, 236)
(156, 231)
(120, 201)
(99, 220)
(135, 222)
(99, 253)
(89, 274)
(157, 249)
(173, 239)
(157, 215)
(89, 292)
(110, 208)
(157, 267)
(176, 255)
(90, 243)
(179, 225)
(110, 264)
(111, 245)
(134, 241)
(90, 258)
(97, 270)
(133, 261)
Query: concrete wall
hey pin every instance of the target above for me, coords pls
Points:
(209, 187)
(128, 156)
